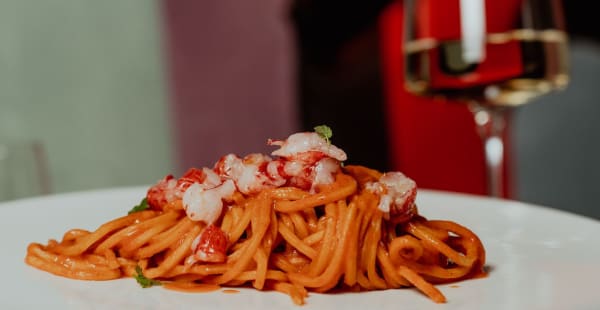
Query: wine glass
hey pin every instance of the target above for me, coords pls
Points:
(491, 55)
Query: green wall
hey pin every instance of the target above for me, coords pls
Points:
(86, 79)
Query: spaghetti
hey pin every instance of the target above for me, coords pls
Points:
(285, 237)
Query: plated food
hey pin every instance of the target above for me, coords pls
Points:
(296, 222)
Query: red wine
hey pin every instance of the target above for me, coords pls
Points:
(519, 65)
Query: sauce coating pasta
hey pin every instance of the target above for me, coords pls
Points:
(287, 230)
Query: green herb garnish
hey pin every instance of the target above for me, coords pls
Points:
(140, 207)
(325, 132)
(142, 280)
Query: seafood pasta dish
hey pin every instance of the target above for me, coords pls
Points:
(297, 221)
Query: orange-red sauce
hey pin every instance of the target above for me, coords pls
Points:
(479, 275)
(230, 291)
(190, 287)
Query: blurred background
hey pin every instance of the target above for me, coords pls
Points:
(97, 94)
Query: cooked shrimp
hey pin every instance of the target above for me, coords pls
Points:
(163, 192)
(305, 142)
(398, 193)
(209, 246)
(201, 204)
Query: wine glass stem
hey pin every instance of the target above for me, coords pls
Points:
(490, 126)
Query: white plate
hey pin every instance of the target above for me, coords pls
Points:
(539, 258)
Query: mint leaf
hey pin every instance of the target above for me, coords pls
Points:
(325, 132)
(140, 207)
(142, 280)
